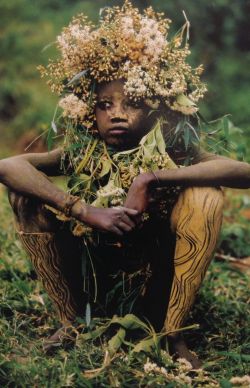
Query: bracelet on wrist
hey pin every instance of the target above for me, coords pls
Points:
(156, 177)
(70, 202)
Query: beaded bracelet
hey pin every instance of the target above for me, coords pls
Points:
(71, 200)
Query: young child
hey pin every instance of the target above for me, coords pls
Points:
(133, 210)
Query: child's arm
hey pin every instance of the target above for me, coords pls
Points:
(213, 171)
(217, 172)
(25, 174)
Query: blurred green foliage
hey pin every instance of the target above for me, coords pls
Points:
(220, 39)
(235, 233)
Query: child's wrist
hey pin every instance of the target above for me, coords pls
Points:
(148, 180)
(79, 210)
(69, 203)
(156, 181)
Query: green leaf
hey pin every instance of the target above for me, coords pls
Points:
(235, 356)
(194, 131)
(147, 345)
(186, 137)
(73, 147)
(89, 151)
(120, 154)
(116, 341)
(130, 322)
(80, 182)
(179, 127)
(226, 126)
(202, 118)
(106, 167)
(149, 144)
(225, 384)
(160, 140)
(184, 101)
(83, 178)
(50, 139)
(93, 334)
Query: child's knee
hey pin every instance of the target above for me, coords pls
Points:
(209, 201)
(198, 203)
(19, 203)
(205, 198)
(30, 214)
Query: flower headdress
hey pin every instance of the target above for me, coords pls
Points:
(125, 45)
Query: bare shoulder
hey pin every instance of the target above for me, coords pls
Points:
(47, 162)
(203, 156)
(200, 155)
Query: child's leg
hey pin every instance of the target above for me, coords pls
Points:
(54, 254)
(196, 220)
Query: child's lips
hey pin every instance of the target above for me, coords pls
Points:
(118, 130)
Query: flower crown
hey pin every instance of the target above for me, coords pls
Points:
(125, 45)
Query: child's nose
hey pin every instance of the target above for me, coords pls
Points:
(118, 112)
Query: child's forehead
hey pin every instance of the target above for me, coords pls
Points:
(111, 89)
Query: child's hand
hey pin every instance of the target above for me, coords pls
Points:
(140, 193)
(118, 220)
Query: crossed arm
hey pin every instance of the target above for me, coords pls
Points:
(208, 170)
(25, 174)
(28, 176)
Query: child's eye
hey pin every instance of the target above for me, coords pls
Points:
(103, 105)
(135, 104)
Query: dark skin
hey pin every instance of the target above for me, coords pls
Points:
(121, 124)
(33, 183)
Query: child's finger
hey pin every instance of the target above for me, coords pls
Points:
(131, 212)
(124, 226)
(128, 221)
(117, 231)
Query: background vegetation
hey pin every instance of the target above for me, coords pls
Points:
(27, 317)
(220, 39)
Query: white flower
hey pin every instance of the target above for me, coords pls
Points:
(74, 32)
(243, 381)
(73, 107)
(148, 24)
(127, 26)
(185, 364)
(153, 39)
(183, 379)
(149, 367)
(110, 191)
(139, 83)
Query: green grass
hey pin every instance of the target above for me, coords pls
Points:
(27, 316)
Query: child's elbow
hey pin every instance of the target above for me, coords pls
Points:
(7, 166)
(2, 170)
(245, 169)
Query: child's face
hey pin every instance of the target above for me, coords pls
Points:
(120, 122)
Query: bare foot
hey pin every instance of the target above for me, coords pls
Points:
(178, 349)
(65, 335)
